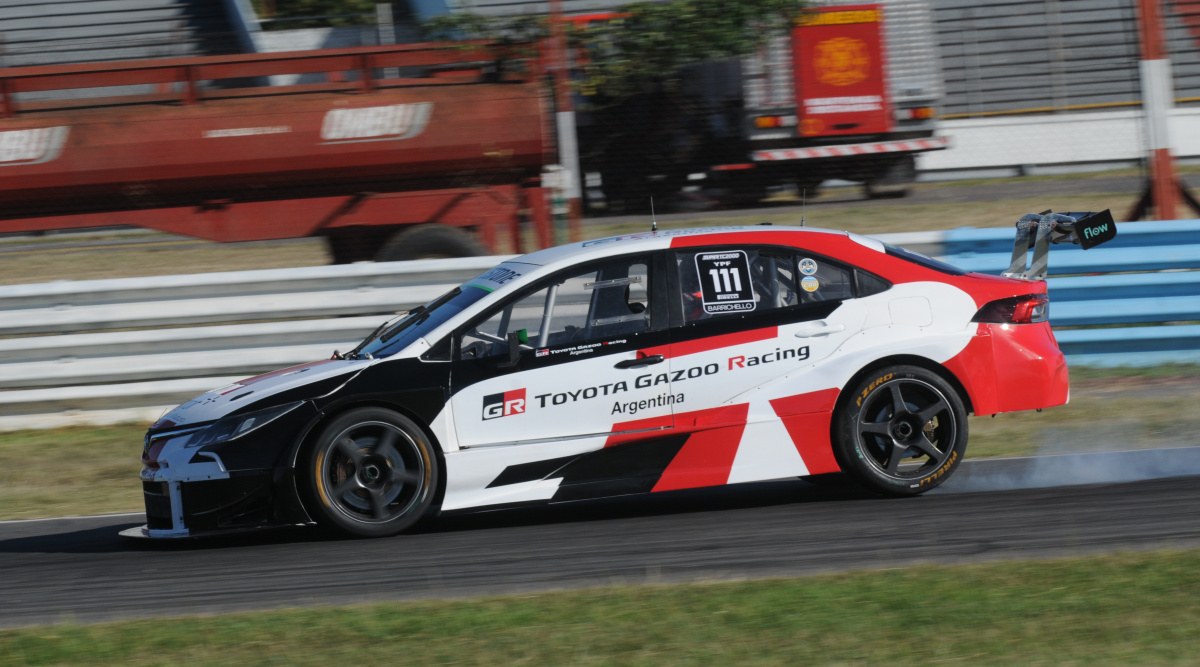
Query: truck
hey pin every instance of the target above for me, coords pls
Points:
(849, 92)
(401, 152)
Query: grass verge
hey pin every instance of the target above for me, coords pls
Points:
(1110, 610)
(1156, 410)
(71, 471)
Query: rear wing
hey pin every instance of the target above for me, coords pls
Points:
(1084, 229)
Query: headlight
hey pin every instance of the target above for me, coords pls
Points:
(235, 427)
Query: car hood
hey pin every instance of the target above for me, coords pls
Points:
(217, 403)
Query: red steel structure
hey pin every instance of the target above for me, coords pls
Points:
(384, 168)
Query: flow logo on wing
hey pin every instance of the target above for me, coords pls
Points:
(504, 405)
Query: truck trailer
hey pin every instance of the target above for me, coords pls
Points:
(442, 159)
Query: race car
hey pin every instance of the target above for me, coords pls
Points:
(641, 363)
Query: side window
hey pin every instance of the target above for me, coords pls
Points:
(612, 299)
(821, 280)
(748, 280)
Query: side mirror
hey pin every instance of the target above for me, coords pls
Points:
(515, 338)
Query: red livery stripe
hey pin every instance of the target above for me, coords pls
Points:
(707, 456)
(807, 418)
(710, 343)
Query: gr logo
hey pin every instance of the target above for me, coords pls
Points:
(503, 405)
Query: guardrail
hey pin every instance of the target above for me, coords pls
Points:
(104, 351)
(190, 333)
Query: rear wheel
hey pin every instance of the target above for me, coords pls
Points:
(902, 431)
(372, 473)
(429, 242)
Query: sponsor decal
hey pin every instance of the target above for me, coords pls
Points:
(385, 123)
(740, 361)
(504, 404)
(808, 266)
(810, 284)
(632, 407)
(246, 131)
(724, 281)
(495, 278)
(842, 61)
(826, 105)
(33, 146)
(576, 350)
(657, 380)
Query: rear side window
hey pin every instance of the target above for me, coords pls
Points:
(922, 260)
(728, 281)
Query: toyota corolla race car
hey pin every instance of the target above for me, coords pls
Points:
(641, 363)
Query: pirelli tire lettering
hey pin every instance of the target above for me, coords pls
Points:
(941, 472)
(871, 387)
(904, 432)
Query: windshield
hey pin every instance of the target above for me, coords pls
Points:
(419, 322)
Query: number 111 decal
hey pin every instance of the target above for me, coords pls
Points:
(725, 281)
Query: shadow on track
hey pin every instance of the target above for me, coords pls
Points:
(711, 499)
(104, 539)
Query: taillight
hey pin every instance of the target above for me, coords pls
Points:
(1024, 309)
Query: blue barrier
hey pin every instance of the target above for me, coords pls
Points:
(967, 240)
(1148, 275)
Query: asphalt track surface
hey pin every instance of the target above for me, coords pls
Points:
(79, 570)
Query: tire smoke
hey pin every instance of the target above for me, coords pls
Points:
(1072, 469)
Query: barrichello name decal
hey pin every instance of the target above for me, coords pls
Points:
(32, 146)
(504, 405)
(396, 121)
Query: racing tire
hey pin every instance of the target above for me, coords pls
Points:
(902, 430)
(372, 473)
(429, 242)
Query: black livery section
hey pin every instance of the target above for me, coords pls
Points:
(261, 489)
(612, 471)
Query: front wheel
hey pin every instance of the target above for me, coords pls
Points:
(902, 431)
(372, 473)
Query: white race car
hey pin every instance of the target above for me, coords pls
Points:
(641, 363)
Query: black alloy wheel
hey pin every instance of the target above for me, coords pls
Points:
(372, 473)
(902, 431)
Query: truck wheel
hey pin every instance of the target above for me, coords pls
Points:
(896, 180)
(902, 431)
(372, 473)
(429, 242)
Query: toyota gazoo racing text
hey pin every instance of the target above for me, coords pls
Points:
(640, 363)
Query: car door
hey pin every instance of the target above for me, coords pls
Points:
(750, 325)
(756, 314)
(564, 359)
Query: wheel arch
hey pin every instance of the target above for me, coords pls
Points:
(314, 428)
(905, 359)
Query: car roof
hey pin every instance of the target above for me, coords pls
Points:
(657, 240)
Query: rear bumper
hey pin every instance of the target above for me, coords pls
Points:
(1012, 367)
